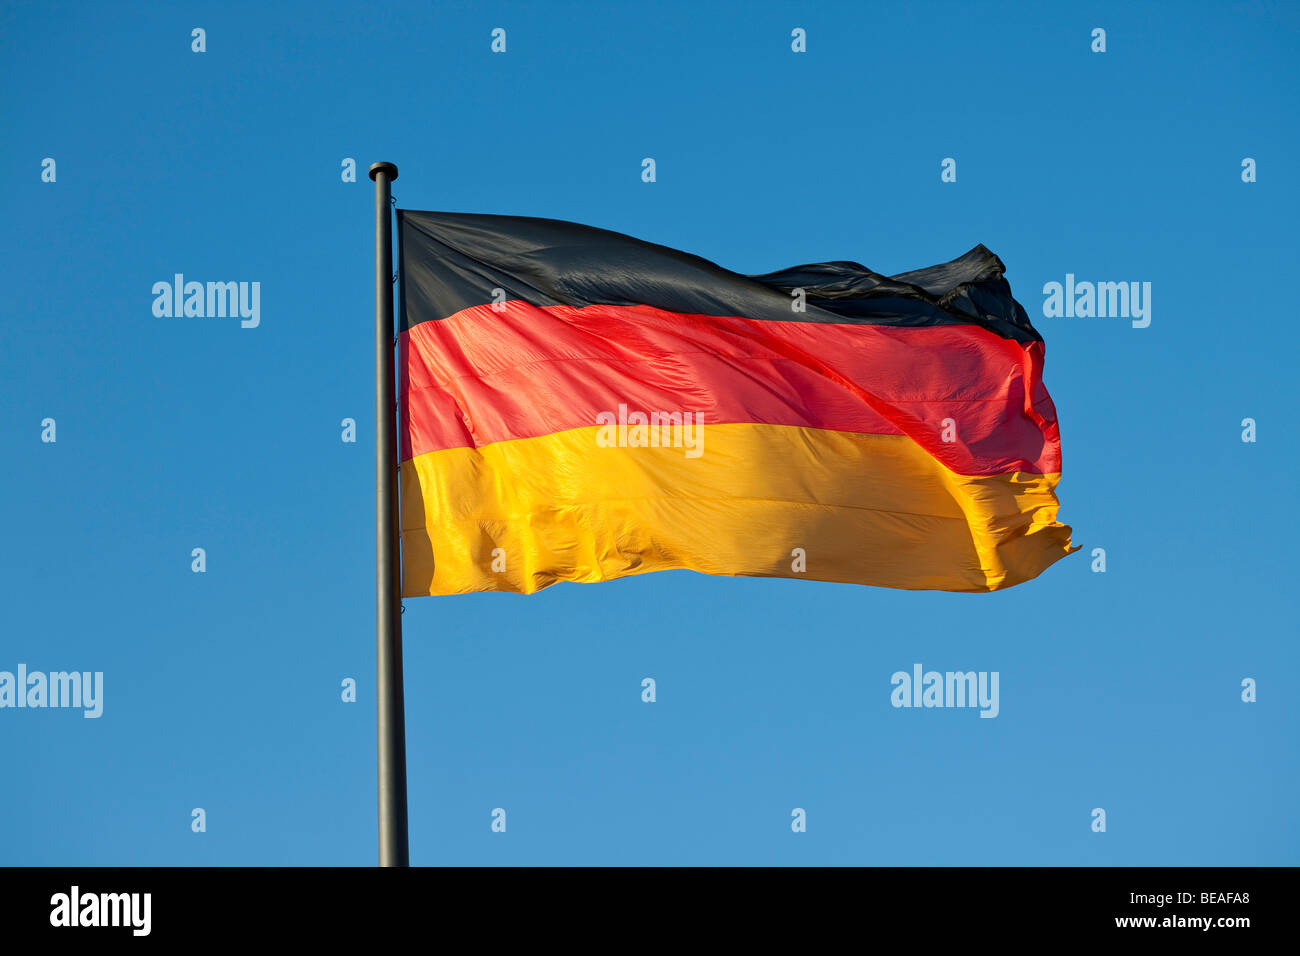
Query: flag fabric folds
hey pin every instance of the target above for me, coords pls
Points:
(579, 405)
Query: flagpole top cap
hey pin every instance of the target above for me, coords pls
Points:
(388, 168)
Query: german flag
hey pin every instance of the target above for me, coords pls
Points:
(579, 405)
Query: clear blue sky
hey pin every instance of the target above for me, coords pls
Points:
(1119, 690)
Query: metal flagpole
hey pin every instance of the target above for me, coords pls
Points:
(393, 849)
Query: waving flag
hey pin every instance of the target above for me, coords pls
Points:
(579, 405)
